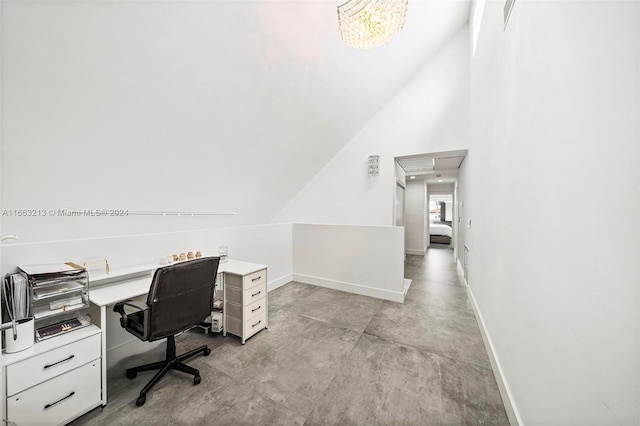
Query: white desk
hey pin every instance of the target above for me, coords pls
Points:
(129, 283)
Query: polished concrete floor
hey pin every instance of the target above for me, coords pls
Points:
(331, 358)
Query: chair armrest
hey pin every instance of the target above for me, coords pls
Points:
(119, 308)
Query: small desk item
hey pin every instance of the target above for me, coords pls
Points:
(62, 327)
(99, 266)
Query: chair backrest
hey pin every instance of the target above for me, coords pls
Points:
(181, 296)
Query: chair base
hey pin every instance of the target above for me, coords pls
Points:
(172, 362)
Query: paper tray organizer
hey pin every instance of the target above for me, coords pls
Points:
(59, 298)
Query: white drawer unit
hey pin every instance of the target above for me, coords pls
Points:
(58, 400)
(37, 369)
(54, 381)
(245, 303)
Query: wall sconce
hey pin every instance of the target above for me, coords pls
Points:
(373, 170)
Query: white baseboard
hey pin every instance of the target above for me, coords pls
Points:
(507, 398)
(279, 282)
(461, 272)
(363, 290)
(407, 284)
(422, 252)
(416, 252)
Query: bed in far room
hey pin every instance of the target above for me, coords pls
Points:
(440, 233)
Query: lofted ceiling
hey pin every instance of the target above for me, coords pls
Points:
(345, 87)
(311, 93)
(249, 95)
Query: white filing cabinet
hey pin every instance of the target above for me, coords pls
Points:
(54, 381)
(245, 307)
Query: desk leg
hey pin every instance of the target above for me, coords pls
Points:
(103, 326)
(220, 278)
(99, 319)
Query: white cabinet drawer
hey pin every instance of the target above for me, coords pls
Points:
(247, 281)
(254, 308)
(254, 279)
(31, 371)
(58, 400)
(254, 324)
(255, 293)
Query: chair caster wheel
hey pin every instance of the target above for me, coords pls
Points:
(132, 375)
(207, 352)
(197, 380)
(141, 400)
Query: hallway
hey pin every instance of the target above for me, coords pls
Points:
(438, 297)
(331, 358)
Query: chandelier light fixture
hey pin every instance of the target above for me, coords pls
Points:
(365, 24)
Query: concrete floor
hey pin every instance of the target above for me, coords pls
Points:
(331, 358)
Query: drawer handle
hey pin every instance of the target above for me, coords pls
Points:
(253, 310)
(59, 401)
(56, 363)
(256, 279)
(256, 323)
(255, 294)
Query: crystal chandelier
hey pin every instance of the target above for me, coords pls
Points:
(365, 24)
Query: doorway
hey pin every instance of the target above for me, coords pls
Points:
(417, 177)
(441, 213)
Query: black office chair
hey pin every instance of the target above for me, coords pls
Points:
(180, 297)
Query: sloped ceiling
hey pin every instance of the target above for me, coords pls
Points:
(199, 105)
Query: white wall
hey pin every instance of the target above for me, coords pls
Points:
(349, 258)
(265, 244)
(415, 214)
(441, 188)
(462, 214)
(430, 114)
(449, 211)
(554, 117)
